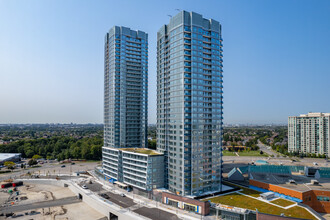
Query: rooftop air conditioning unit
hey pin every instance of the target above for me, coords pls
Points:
(292, 181)
(314, 182)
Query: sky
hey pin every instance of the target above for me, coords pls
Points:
(276, 56)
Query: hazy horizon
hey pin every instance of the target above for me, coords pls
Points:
(52, 57)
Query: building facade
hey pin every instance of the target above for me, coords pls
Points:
(137, 167)
(309, 134)
(189, 103)
(125, 88)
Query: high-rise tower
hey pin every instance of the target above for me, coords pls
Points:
(125, 97)
(189, 103)
(125, 88)
(309, 134)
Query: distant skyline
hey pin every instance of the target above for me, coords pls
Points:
(276, 56)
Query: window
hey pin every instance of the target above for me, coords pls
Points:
(323, 198)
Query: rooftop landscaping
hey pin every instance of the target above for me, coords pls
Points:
(282, 202)
(242, 201)
(141, 151)
(246, 190)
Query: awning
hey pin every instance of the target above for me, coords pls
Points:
(121, 184)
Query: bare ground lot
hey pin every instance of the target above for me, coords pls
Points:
(34, 193)
(79, 211)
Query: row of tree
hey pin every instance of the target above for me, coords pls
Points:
(64, 147)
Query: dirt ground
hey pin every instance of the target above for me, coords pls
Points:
(31, 193)
(78, 211)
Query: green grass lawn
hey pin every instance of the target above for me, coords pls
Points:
(228, 153)
(246, 190)
(254, 153)
(283, 202)
(250, 192)
(245, 202)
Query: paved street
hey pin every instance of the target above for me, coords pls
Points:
(156, 214)
(124, 202)
(45, 204)
(267, 149)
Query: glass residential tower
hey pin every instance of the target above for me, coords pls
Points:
(125, 88)
(125, 95)
(189, 103)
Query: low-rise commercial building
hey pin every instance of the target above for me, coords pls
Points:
(139, 168)
(14, 157)
(308, 191)
(189, 204)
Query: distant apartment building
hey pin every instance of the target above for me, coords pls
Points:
(309, 133)
(125, 100)
(135, 167)
(189, 103)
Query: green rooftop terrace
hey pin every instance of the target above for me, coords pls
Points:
(141, 151)
(243, 201)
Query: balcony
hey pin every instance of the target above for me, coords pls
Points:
(187, 70)
(187, 35)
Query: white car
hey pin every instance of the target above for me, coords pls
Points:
(122, 195)
(84, 187)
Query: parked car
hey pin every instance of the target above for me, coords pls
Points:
(105, 196)
(73, 163)
(62, 166)
(122, 195)
(84, 187)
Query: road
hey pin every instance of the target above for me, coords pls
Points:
(156, 214)
(38, 205)
(124, 202)
(267, 149)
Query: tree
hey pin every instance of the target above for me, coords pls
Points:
(36, 157)
(76, 152)
(10, 165)
(32, 162)
(152, 144)
(96, 151)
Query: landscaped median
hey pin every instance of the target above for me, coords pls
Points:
(249, 199)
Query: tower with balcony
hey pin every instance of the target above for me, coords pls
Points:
(189, 103)
(125, 93)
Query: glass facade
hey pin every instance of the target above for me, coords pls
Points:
(190, 103)
(125, 98)
(125, 88)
